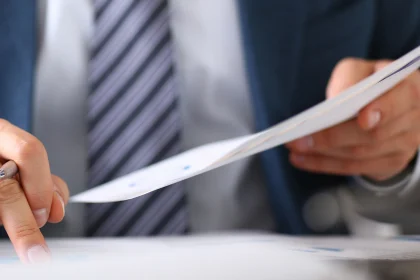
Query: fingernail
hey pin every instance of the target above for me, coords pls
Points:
(305, 143)
(62, 202)
(373, 119)
(41, 217)
(38, 254)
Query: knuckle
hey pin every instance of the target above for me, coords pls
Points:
(24, 230)
(30, 148)
(10, 191)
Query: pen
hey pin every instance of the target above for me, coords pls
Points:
(8, 170)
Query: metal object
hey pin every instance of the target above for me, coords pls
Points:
(8, 170)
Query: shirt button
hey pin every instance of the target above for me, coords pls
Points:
(321, 212)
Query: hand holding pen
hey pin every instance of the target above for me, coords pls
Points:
(30, 196)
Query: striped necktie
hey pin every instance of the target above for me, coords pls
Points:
(133, 116)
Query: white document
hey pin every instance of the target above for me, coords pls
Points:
(202, 159)
(320, 248)
(224, 256)
(239, 256)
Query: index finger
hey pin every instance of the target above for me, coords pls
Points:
(20, 224)
(34, 171)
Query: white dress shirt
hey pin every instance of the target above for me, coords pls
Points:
(214, 98)
(215, 105)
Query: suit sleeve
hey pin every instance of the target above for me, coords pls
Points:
(17, 60)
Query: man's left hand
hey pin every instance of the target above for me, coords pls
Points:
(379, 143)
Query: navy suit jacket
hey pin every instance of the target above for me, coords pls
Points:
(290, 49)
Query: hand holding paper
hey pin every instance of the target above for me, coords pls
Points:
(327, 114)
(379, 143)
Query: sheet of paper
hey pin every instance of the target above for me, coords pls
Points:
(322, 248)
(227, 256)
(224, 256)
(202, 159)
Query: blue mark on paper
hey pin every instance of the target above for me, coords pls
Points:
(328, 249)
(132, 185)
(305, 250)
(187, 167)
(408, 238)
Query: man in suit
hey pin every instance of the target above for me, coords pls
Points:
(108, 105)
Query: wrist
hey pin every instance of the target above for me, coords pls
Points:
(394, 184)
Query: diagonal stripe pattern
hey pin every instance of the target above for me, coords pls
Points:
(133, 116)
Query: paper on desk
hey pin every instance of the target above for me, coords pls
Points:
(238, 256)
(321, 248)
(202, 159)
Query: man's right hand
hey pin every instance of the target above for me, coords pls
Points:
(33, 198)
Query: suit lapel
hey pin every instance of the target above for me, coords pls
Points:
(17, 56)
(271, 32)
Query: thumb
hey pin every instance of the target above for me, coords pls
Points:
(348, 72)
